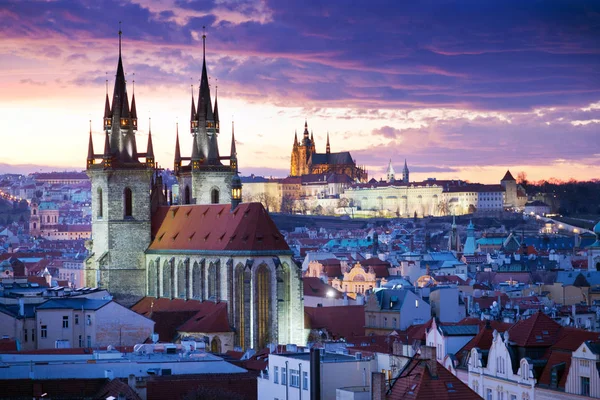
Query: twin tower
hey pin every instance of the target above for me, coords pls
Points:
(127, 188)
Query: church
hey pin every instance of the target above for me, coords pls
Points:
(306, 161)
(211, 247)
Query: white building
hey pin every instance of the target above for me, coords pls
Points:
(449, 339)
(289, 375)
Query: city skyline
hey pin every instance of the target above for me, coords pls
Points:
(464, 92)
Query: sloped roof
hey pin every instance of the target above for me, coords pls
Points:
(539, 330)
(416, 382)
(215, 228)
(149, 304)
(241, 385)
(391, 299)
(508, 176)
(343, 157)
(211, 319)
(317, 288)
(342, 321)
(73, 304)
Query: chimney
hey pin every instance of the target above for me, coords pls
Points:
(315, 374)
(429, 356)
(377, 386)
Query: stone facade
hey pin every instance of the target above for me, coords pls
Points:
(116, 262)
(235, 279)
(204, 182)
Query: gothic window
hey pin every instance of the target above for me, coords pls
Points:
(213, 282)
(167, 279)
(186, 197)
(196, 281)
(283, 300)
(181, 289)
(151, 279)
(34, 225)
(214, 196)
(242, 278)
(263, 304)
(127, 203)
(34, 211)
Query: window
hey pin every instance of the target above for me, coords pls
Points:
(89, 341)
(76, 317)
(33, 335)
(80, 341)
(283, 376)
(25, 335)
(127, 203)
(89, 320)
(488, 394)
(584, 363)
(416, 303)
(585, 386)
(214, 196)
(294, 378)
(65, 321)
(275, 374)
(100, 204)
(44, 331)
(305, 380)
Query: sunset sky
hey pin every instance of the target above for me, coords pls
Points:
(461, 89)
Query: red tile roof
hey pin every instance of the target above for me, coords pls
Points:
(148, 304)
(224, 386)
(8, 345)
(416, 382)
(212, 319)
(215, 228)
(317, 288)
(539, 330)
(342, 321)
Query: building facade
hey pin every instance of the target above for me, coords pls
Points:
(305, 160)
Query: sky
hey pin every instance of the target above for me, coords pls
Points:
(460, 89)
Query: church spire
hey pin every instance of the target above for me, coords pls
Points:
(405, 176)
(328, 148)
(295, 138)
(233, 153)
(90, 157)
(305, 129)
(193, 115)
(150, 148)
(177, 150)
(216, 113)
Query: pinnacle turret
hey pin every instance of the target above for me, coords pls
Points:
(328, 148)
(90, 156)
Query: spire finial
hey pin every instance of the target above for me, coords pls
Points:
(106, 73)
(120, 33)
(90, 126)
(149, 125)
(203, 42)
(133, 84)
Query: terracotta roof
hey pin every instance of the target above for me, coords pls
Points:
(215, 228)
(341, 321)
(148, 304)
(167, 322)
(317, 288)
(8, 345)
(223, 386)
(539, 330)
(416, 382)
(117, 388)
(554, 361)
(211, 319)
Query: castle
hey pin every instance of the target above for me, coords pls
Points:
(211, 247)
(305, 160)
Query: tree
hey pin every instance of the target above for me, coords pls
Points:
(302, 206)
(287, 204)
(443, 208)
(318, 210)
(472, 209)
(268, 201)
(522, 178)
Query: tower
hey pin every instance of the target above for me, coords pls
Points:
(405, 177)
(205, 180)
(390, 172)
(510, 190)
(470, 246)
(120, 200)
(594, 251)
(327, 147)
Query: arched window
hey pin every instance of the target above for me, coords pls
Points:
(263, 303)
(34, 225)
(127, 203)
(34, 211)
(186, 197)
(100, 203)
(214, 196)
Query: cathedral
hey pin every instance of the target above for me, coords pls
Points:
(305, 160)
(210, 247)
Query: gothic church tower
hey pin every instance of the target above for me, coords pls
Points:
(205, 180)
(120, 200)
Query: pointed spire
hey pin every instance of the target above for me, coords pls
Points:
(177, 150)
(120, 33)
(233, 149)
(195, 153)
(107, 105)
(150, 148)
(90, 157)
(193, 114)
(216, 112)
(305, 129)
(204, 101)
(295, 138)
(133, 108)
(328, 148)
